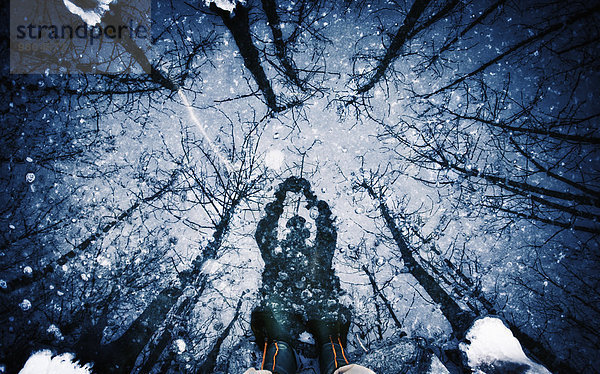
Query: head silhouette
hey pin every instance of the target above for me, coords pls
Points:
(298, 230)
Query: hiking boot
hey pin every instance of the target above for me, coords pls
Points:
(273, 336)
(331, 336)
(279, 357)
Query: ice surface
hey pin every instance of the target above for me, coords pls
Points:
(274, 159)
(346, 151)
(401, 355)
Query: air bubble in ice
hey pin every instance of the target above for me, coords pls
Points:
(25, 305)
(306, 295)
(314, 213)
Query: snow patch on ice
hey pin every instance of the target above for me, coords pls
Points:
(492, 345)
(180, 345)
(307, 338)
(43, 362)
(228, 5)
(91, 17)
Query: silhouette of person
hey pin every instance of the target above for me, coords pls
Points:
(299, 288)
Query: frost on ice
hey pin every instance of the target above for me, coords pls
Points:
(493, 348)
(274, 159)
(43, 362)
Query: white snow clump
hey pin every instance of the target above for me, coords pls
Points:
(43, 362)
(90, 16)
(180, 345)
(305, 337)
(493, 348)
(228, 5)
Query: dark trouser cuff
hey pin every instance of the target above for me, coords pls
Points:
(279, 357)
(332, 356)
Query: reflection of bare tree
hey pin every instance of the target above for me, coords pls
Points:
(459, 319)
(448, 275)
(393, 51)
(238, 24)
(302, 19)
(219, 194)
(488, 104)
